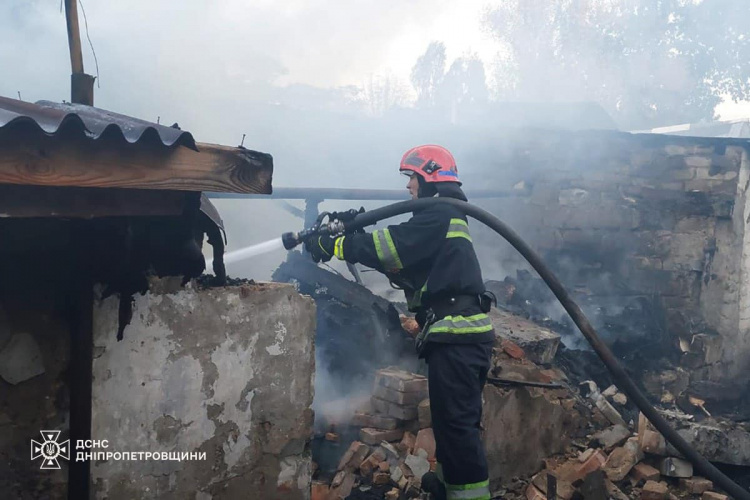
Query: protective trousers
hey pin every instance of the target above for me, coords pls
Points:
(456, 376)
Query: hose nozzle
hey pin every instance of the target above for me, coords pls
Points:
(290, 240)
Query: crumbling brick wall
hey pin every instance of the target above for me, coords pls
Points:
(631, 219)
(225, 373)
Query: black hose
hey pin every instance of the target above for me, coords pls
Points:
(622, 380)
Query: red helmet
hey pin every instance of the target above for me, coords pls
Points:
(433, 163)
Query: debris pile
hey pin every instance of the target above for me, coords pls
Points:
(548, 428)
(620, 465)
(395, 445)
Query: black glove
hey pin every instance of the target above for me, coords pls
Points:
(347, 215)
(320, 248)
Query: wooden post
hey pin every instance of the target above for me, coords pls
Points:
(81, 359)
(81, 84)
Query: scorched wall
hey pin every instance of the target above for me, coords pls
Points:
(227, 372)
(649, 223)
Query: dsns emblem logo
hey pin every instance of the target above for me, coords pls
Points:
(49, 450)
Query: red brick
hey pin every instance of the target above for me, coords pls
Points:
(712, 495)
(585, 455)
(376, 421)
(408, 442)
(645, 471)
(426, 442)
(532, 493)
(696, 485)
(621, 461)
(400, 398)
(344, 489)
(375, 436)
(379, 455)
(394, 410)
(354, 456)
(400, 380)
(512, 349)
(338, 479)
(654, 491)
(384, 467)
(319, 491)
(595, 461)
(381, 478)
(372, 462)
(650, 440)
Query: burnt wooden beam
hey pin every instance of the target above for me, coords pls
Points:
(61, 160)
(87, 203)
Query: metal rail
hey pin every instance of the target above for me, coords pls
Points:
(320, 194)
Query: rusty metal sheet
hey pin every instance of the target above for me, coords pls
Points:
(51, 117)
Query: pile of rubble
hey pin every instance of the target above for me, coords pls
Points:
(396, 445)
(547, 431)
(621, 466)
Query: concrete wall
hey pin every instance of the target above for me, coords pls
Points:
(227, 372)
(627, 220)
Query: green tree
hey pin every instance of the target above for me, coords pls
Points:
(647, 62)
(463, 86)
(427, 74)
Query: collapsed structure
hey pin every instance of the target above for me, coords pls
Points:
(100, 315)
(649, 233)
(104, 338)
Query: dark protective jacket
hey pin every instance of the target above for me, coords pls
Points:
(432, 258)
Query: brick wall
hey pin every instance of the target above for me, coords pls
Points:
(632, 219)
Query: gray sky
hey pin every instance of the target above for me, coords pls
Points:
(206, 63)
(198, 61)
(173, 57)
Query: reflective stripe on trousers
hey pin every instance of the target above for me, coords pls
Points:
(476, 491)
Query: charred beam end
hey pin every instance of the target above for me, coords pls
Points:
(40, 160)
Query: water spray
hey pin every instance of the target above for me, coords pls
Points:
(353, 221)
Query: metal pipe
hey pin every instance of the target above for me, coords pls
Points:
(320, 194)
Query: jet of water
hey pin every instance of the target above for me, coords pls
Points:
(253, 251)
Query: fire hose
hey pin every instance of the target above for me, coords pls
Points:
(354, 221)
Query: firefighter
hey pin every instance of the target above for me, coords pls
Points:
(431, 257)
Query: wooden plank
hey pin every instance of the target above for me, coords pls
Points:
(40, 160)
(85, 203)
(74, 36)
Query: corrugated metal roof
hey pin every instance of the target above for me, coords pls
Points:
(51, 117)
